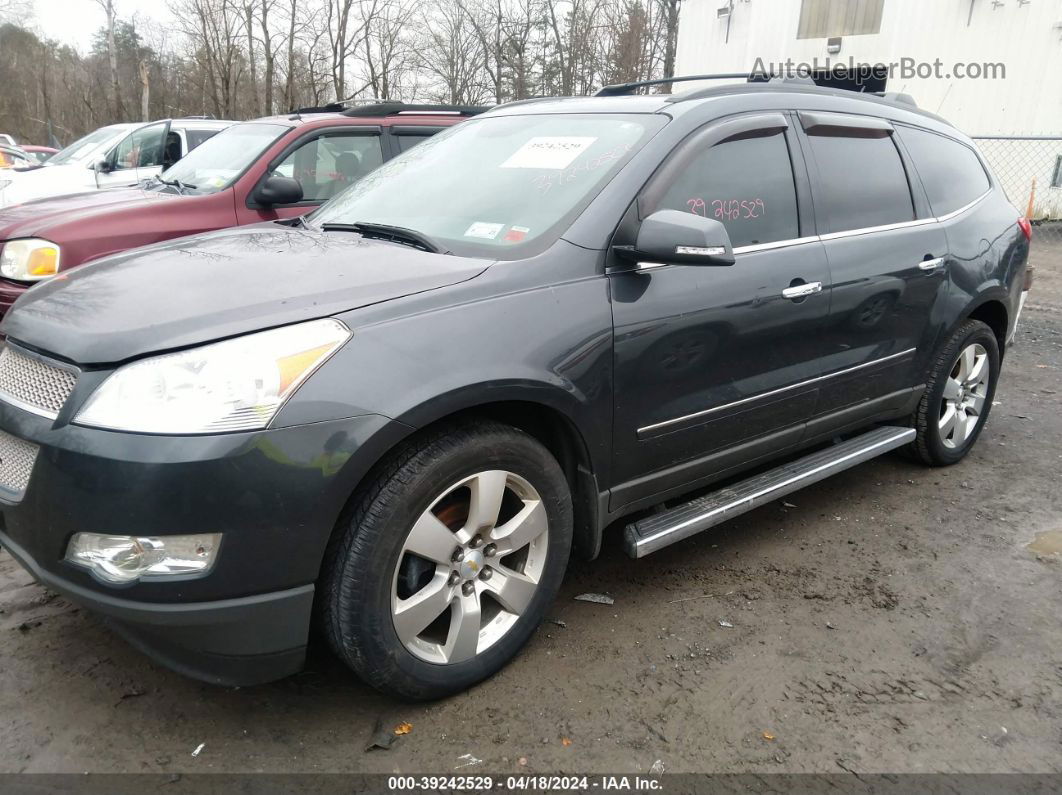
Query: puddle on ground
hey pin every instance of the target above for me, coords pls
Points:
(1049, 543)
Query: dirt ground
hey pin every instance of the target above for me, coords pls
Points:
(892, 619)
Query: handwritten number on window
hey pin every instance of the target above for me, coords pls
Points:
(728, 209)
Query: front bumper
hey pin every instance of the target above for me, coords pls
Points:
(275, 496)
(243, 641)
(9, 293)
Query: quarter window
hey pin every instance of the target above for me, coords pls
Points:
(327, 165)
(863, 182)
(746, 184)
(951, 173)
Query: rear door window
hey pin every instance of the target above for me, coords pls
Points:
(951, 172)
(746, 184)
(863, 182)
(196, 137)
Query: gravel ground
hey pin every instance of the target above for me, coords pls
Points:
(892, 619)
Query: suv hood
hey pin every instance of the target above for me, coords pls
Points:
(36, 218)
(197, 290)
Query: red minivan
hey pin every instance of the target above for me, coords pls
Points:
(264, 170)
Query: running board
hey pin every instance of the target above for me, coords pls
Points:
(661, 529)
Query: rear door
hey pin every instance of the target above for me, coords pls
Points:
(716, 365)
(887, 256)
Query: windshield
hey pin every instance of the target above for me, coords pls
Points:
(496, 187)
(217, 162)
(83, 147)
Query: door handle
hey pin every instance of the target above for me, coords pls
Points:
(802, 290)
(930, 265)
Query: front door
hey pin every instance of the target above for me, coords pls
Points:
(138, 156)
(714, 363)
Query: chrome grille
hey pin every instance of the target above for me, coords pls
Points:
(16, 463)
(35, 384)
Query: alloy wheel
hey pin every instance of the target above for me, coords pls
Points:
(965, 394)
(469, 567)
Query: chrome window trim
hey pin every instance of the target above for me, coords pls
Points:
(796, 241)
(868, 230)
(771, 393)
(961, 210)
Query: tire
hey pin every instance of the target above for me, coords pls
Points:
(958, 396)
(391, 564)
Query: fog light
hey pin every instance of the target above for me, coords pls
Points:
(123, 559)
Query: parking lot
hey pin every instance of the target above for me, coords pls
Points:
(894, 618)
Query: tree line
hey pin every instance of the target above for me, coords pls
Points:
(240, 59)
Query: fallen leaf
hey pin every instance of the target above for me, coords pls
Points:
(597, 598)
(403, 728)
(768, 736)
(565, 741)
(727, 624)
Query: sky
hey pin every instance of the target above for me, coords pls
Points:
(75, 22)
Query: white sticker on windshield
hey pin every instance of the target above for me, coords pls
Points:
(555, 151)
(484, 230)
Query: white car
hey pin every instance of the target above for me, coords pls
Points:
(114, 156)
(7, 139)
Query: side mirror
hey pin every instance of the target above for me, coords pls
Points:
(278, 190)
(672, 236)
(101, 166)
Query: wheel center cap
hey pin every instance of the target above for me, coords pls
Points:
(471, 565)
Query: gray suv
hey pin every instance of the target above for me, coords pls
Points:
(403, 412)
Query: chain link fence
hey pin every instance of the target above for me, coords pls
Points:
(1030, 168)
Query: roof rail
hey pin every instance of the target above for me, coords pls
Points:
(399, 108)
(619, 89)
(333, 107)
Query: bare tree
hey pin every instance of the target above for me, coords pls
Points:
(112, 52)
(451, 52)
(388, 51)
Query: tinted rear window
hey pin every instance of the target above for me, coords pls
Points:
(863, 183)
(196, 137)
(746, 184)
(951, 173)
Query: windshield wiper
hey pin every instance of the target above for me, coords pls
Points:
(175, 183)
(394, 234)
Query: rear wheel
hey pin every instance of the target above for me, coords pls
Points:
(449, 561)
(958, 396)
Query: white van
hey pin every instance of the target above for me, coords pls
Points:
(114, 156)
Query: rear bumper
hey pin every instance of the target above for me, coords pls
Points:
(243, 641)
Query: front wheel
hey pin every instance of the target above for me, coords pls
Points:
(958, 396)
(449, 561)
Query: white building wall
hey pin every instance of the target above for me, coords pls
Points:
(1023, 36)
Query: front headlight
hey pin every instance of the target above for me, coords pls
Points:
(235, 385)
(29, 259)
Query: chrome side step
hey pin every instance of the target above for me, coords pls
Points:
(659, 530)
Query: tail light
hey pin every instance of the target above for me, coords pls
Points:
(1026, 227)
(1028, 279)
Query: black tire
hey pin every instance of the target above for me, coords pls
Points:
(357, 582)
(929, 447)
